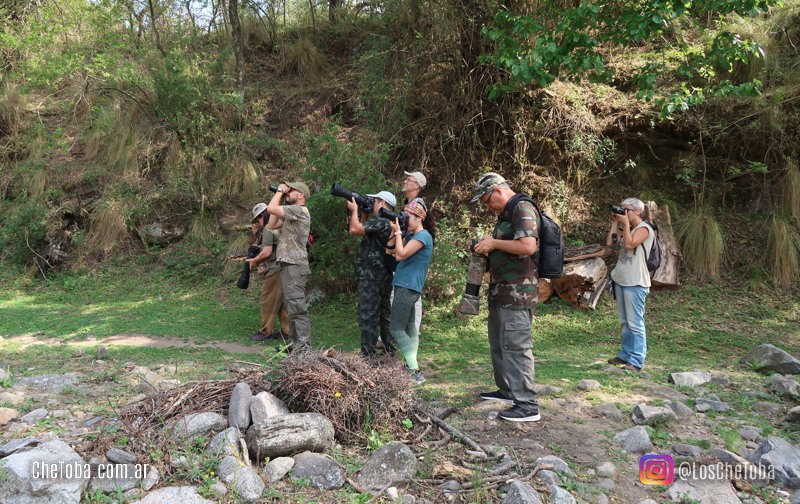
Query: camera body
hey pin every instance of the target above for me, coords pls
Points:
(402, 217)
(365, 203)
(617, 209)
(244, 279)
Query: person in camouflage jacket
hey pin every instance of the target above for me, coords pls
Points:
(372, 272)
(513, 295)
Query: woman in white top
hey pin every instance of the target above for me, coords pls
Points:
(631, 280)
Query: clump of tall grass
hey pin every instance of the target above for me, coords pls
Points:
(115, 141)
(37, 182)
(12, 106)
(702, 243)
(305, 59)
(791, 189)
(109, 224)
(240, 180)
(239, 245)
(783, 252)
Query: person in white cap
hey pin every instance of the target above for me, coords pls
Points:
(413, 185)
(373, 272)
(270, 302)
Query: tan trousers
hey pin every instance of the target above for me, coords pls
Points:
(271, 304)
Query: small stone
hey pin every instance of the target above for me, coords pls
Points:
(686, 450)
(606, 470)
(102, 353)
(392, 493)
(119, 456)
(79, 352)
(793, 415)
(608, 410)
(8, 415)
(750, 433)
(588, 385)
(34, 415)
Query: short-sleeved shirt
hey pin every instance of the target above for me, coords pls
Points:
(269, 238)
(514, 282)
(631, 269)
(371, 255)
(294, 236)
(411, 272)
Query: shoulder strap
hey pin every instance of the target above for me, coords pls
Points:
(508, 211)
(655, 236)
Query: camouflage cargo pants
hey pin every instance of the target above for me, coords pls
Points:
(374, 314)
(293, 279)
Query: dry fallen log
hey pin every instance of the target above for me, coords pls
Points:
(582, 282)
(463, 438)
(668, 274)
(545, 289)
(578, 253)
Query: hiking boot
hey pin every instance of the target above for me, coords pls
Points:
(418, 376)
(495, 396)
(631, 367)
(616, 360)
(517, 413)
(259, 336)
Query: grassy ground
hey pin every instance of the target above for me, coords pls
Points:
(696, 327)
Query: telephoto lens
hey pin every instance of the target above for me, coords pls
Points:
(617, 209)
(244, 279)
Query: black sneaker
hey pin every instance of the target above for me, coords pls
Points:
(517, 413)
(496, 396)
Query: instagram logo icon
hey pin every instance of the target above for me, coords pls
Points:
(656, 469)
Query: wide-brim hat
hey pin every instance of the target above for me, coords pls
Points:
(486, 184)
(300, 186)
(385, 196)
(258, 210)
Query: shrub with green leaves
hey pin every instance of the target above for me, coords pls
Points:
(24, 230)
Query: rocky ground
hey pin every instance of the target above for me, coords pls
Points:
(586, 448)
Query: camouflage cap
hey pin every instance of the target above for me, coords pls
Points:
(300, 186)
(486, 184)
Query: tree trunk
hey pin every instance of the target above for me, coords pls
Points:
(313, 14)
(583, 282)
(545, 289)
(238, 46)
(155, 29)
(668, 274)
(578, 253)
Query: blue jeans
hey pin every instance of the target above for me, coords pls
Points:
(630, 309)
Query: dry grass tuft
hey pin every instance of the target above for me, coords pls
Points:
(37, 183)
(238, 246)
(791, 189)
(12, 106)
(702, 243)
(354, 394)
(305, 60)
(241, 180)
(109, 225)
(783, 252)
(203, 226)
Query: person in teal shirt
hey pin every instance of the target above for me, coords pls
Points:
(413, 256)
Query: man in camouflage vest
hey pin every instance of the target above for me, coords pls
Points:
(373, 273)
(289, 204)
(513, 295)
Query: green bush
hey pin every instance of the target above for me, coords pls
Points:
(24, 228)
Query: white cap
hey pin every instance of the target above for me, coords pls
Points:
(418, 176)
(258, 210)
(385, 196)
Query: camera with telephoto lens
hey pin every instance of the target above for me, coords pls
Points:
(402, 217)
(470, 301)
(365, 203)
(617, 209)
(244, 279)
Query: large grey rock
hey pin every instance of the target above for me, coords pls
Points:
(649, 415)
(34, 416)
(241, 478)
(750, 433)
(173, 495)
(768, 408)
(608, 410)
(702, 405)
(226, 443)
(391, 464)
(559, 465)
(239, 406)
(686, 450)
(771, 358)
(778, 454)
(706, 491)
(793, 415)
(49, 383)
(560, 496)
(155, 234)
(288, 434)
(635, 440)
(783, 385)
(321, 471)
(112, 477)
(549, 478)
(197, 424)
(51, 473)
(681, 410)
(521, 493)
(265, 405)
(119, 456)
(690, 379)
(16, 445)
(278, 468)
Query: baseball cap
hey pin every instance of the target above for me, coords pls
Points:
(300, 186)
(418, 176)
(485, 185)
(258, 210)
(385, 196)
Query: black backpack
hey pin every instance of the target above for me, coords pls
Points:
(654, 258)
(549, 255)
